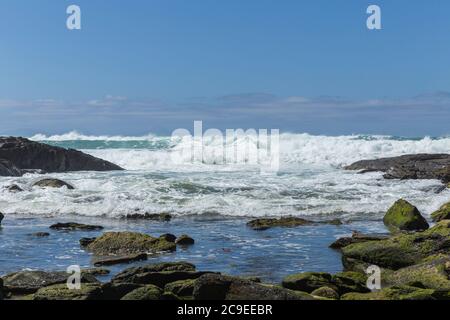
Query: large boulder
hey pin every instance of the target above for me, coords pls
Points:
(124, 243)
(442, 214)
(148, 292)
(404, 216)
(221, 287)
(26, 154)
(416, 166)
(399, 251)
(25, 282)
(181, 288)
(8, 169)
(307, 281)
(88, 291)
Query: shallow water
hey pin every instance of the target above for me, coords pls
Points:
(224, 245)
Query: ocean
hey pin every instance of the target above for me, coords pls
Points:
(212, 201)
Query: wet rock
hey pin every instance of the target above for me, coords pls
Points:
(286, 222)
(399, 251)
(148, 292)
(96, 271)
(40, 234)
(307, 281)
(150, 216)
(404, 216)
(220, 287)
(52, 183)
(417, 166)
(26, 154)
(168, 237)
(442, 214)
(184, 240)
(357, 238)
(24, 282)
(124, 243)
(88, 291)
(326, 292)
(394, 293)
(160, 279)
(84, 242)
(14, 188)
(181, 288)
(73, 226)
(1, 289)
(1, 217)
(128, 274)
(109, 261)
(8, 169)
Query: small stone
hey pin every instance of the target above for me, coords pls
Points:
(52, 183)
(14, 188)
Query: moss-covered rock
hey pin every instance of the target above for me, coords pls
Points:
(401, 250)
(181, 288)
(404, 216)
(123, 243)
(442, 214)
(326, 292)
(394, 293)
(307, 281)
(88, 291)
(221, 287)
(148, 292)
(349, 281)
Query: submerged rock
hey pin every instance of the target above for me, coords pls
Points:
(150, 216)
(27, 154)
(109, 261)
(416, 166)
(404, 216)
(52, 183)
(287, 222)
(24, 282)
(88, 291)
(221, 287)
(442, 214)
(399, 251)
(14, 188)
(40, 234)
(184, 240)
(124, 243)
(73, 226)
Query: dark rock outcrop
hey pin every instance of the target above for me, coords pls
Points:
(149, 216)
(1, 217)
(88, 291)
(286, 222)
(417, 166)
(184, 240)
(22, 154)
(109, 261)
(442, 214)
(72, 226)
(356, 238)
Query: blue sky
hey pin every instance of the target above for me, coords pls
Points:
(153, 66)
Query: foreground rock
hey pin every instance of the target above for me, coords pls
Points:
(404, 216)
(287, 222)
(73, 226)
(395, 293)
(52, 183)
(220, 287)
(8, 169)
(25, 282)
(399, 251)
(88, 291)
(26, 154)
(442, 214)
(125, 243)
(417, 166)
(148, 292)
(159, 274)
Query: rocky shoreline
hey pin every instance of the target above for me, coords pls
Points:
(413, 258)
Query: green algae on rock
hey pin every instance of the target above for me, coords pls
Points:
(404, 216)
(442, 214)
